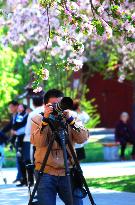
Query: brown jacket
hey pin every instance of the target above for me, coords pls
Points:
(55, 163)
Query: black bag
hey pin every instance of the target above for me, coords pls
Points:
(76, 178)
(77, 182)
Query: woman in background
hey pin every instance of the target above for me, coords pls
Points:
(124, 134)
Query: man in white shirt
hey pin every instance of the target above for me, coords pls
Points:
(27, 147)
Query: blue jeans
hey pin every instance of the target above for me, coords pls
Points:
(48, 188)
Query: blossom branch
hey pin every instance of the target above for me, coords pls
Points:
(49, 28)
(49, 33)
(92, 8)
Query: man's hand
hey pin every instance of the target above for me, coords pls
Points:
(48, 110)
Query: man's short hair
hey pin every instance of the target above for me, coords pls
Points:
(13, 102)
(53, 93)
(37, 101)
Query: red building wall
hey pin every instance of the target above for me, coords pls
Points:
(112, 98)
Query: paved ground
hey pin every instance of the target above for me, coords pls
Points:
(103, 169)
(106, 169)
(10, 195)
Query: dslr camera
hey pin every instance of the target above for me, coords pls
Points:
(64, 104)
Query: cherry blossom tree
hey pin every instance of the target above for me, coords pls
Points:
(60, 28)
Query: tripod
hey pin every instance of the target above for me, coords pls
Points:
(61, 136)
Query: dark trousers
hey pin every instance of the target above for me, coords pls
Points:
(19, 173)
(26, 158)
(123, 144)
(19, 155)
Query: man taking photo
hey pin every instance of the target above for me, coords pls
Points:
(53, 180)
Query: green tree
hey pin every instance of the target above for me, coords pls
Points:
(8, 79)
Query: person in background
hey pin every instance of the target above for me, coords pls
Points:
(38, 108)
(18, 130)
(84, 117)
(124, 134)
(27, 148)
(13, 107)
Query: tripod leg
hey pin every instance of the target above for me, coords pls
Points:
(80, 172)
(41, 170)
(67, 170)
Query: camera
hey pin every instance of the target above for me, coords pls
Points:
(64, 104)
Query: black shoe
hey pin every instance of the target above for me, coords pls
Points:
(5, 180)
(22, 184)
(16, 180)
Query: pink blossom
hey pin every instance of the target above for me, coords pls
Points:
(101, 10)
(120, 11)
(45, 74)
(96, 2)
(133, 16)
(121, 78)
(2, 22)
(28, 27)
(76, 64)
(78, 3)
(38, 89)
(70, 18)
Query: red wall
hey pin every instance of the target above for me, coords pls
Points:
(112, 98)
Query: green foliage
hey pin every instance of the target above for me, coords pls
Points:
(99, 27)
(120, 183)
(102, 58)
(13, 76)
(94, 152)
(91, 109)
(45, 3)
(2, 3)
(22, 70)
(112, 60)
(10, 157)
(8, 79)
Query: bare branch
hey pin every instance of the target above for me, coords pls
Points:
(92, 8)
(49, 28)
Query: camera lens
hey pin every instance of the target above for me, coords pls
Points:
(64, 104)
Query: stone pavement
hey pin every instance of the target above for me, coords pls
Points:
(10, 195)
(99, 169)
